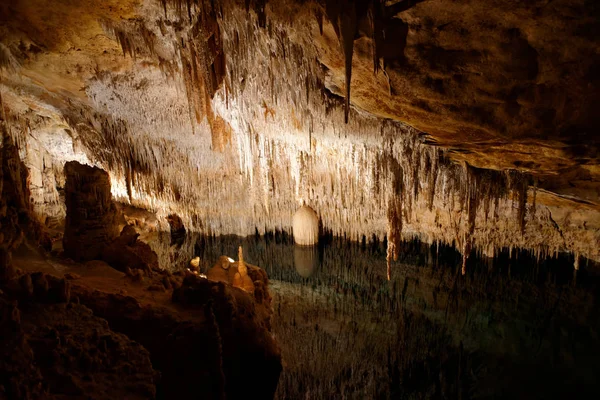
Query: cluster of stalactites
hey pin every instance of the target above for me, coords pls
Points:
(348, 17)
(203, 66)
(466, 191)
(291, 83)
(199, 57)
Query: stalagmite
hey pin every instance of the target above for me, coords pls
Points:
(195, 264)
(241, 278)
(241, 266)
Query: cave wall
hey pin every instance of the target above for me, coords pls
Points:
(233, 116)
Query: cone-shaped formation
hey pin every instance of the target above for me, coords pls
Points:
(241, 266)
(241, 278)
(305, 226)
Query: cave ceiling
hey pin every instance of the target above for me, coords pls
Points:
(468, 121)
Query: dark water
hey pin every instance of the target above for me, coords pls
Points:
(514, 327)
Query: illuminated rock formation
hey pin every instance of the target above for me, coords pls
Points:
(195, 264)
(220, 271)
(236, 274)
(208, 108)
(305, 226)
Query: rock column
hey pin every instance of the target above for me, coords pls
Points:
(91, 214)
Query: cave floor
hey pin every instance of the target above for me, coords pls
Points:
(510, 330)
(99, 276)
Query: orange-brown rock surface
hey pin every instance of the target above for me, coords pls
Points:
(126, 251)
(52, 348)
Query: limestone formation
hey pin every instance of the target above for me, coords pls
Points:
(237, 274)
(241, 266)
(178, 231)
(195, 264)
(241, 279)
(250, 118)
(305, 226)
(127, 251)
(219, 271)
(91, 215)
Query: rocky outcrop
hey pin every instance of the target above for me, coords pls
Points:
(249, 278)
(215, 343)
(52, 348)
(91, 215)
(127, 251)
(92, 223)
(178, 231)
(15, 210)
(242, 325)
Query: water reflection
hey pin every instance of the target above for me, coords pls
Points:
(306, 260)
(513, 327)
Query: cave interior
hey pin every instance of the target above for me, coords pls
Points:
(299, 199)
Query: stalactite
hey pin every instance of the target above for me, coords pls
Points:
(353, 172)
(348, 26)
(472, 188)
(533, 202)
(8, 61)
(319, 16)
(518, 184)
(394, 230)
(433, 177)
